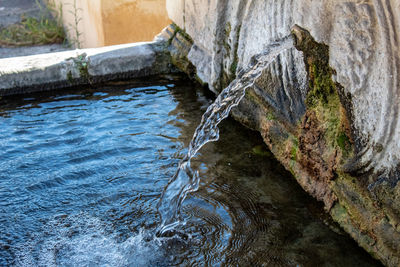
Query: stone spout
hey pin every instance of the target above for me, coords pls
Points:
(328, 109)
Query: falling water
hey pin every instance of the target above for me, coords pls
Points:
(185, 179)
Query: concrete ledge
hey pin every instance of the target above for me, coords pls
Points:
(81, 67)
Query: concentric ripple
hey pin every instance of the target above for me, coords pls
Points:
(81, 173)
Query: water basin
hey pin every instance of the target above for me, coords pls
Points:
(82, 171)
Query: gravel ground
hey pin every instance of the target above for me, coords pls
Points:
(10, 13)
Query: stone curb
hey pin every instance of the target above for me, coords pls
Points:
(51, 71)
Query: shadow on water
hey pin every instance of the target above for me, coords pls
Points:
(81, 173)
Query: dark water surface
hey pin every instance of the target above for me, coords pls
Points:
(81, 173)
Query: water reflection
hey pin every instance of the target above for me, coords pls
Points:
(81, 174)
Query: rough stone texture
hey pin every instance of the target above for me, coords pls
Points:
(7, 52)
(359, 185)
(79, 67)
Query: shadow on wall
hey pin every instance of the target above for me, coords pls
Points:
(95, 23)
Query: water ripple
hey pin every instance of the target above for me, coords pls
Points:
(81, 174)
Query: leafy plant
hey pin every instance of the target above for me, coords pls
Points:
(75, 35)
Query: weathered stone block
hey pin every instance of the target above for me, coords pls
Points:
(331, 118)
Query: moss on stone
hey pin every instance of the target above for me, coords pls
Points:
(80, 63)
(343, 142)
(69, 77)
(295, 148)
(262, 150)
(182, 32)
(179, 45)
(234, 64)
(271, 116)
(322, 96)
(321, 84)
(250, 95)
(228, 29)
(354, 208)
(82, 66)
(227, 33)
(235, 60)
(169, 42)
(315, 150)
(339, 213)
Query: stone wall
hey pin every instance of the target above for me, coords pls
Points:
(328, 109)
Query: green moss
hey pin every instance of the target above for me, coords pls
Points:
(250, 95)
(339, 213)
(295, 148)
(322, 96)
(261, 150)
(226, 46)
(82, 66)
(179, 51)
(235, 60)
(227, 32)
(234, 65)
(345, 216)
(228, 29)
(343, 141)
(182, 32)
(321, 84)
(316, 59)
(271, 116)
(238, 31)
(169, 42)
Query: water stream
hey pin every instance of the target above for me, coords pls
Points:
(186, 180)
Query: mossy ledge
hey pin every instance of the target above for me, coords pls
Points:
(316, 148)
(178, 45)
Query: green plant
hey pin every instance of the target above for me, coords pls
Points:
(34, 31)
(81, 63)
(54, 10)
(75, 35)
